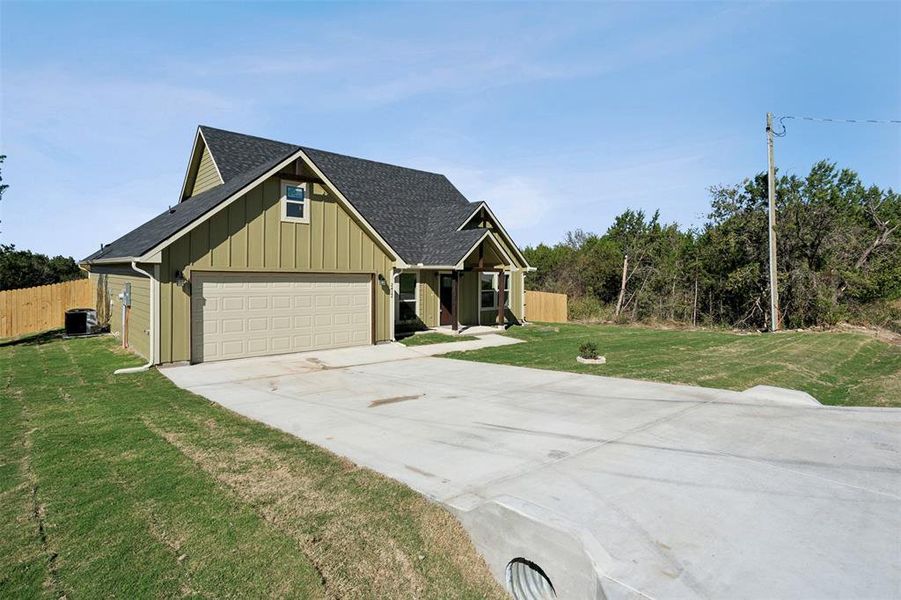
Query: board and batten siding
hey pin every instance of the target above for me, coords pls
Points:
(139, 316)
(469, 299)
(207, 176)
(486, 223)
(249, 235)
(428, 298)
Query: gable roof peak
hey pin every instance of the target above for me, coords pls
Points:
(418, 214)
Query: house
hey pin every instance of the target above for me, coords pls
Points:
(276, 248)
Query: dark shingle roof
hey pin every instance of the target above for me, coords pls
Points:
(405, 206)
(161, 227)
(416, 212)
(236, 154)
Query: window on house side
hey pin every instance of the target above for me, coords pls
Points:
(295, 202)
(406, 296)
(488, 291)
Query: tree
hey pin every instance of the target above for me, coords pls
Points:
(838, 250)
(22, 269)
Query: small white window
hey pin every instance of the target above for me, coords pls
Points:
(407, 297)
(295, 202)
(488, 291)
(506, 290)
(488, 295)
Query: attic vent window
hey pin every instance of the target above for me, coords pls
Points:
(295, 202)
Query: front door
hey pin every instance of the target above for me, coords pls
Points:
(446, 295)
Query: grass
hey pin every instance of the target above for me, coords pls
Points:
(836, 368)
(424, 339)
(127, 486)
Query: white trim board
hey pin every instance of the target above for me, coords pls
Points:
(278, 167)
(500, 227)
(351, 207)
(488, 234)
(212, 156)
(184, 184)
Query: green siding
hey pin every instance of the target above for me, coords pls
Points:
(469, 298)
(428, 298)
(207, 176)
(139, 315)
(249, 235)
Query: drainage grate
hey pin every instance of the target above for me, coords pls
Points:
(527, 581)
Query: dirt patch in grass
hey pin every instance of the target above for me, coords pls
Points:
(144, 490)
(331, 524)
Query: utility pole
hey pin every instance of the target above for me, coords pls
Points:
(771, 193)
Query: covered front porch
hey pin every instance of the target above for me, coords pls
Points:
(482, 292)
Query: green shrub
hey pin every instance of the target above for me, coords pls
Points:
(588, 308)
(588, 350)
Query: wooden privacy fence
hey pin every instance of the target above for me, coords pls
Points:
(30, 310)
(545, 306)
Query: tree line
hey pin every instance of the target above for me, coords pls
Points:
(837, 247)
(23, 268)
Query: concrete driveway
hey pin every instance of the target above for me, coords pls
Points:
(615, 488)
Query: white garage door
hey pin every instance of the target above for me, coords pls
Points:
(234, 315)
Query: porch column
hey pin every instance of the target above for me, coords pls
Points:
(455, 321)
(501, 300)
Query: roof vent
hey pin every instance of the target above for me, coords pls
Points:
(171, 209)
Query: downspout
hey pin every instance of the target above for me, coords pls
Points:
(149, 364)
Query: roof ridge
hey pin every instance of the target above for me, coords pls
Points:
(247, 135)
(375, 162)
(369, 160)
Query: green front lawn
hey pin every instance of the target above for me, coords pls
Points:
(836, 368)
(129, 487)
(424, 339)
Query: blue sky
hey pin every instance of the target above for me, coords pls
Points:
(559, 115)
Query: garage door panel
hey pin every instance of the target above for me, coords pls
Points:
(257, 302)
(253, 314)
(232, 326)
(233, 303)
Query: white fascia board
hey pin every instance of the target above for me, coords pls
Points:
(474, 213)
(430, 267)
(112, 261)
(459, 264)
(500, 227)
(221, 206)
(154, 260)
(501, 248)
(184, 183)
(349, 205)
(213, 158)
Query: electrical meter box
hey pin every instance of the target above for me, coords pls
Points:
(126, 294)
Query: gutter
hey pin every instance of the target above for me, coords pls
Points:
(149, 364)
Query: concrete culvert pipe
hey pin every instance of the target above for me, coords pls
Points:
(527, 581)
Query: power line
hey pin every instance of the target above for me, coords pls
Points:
(831, 120)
